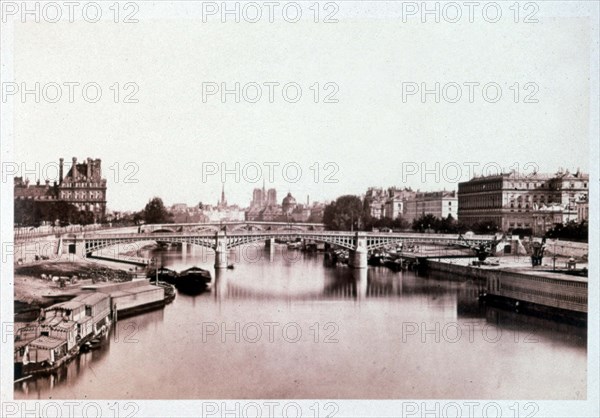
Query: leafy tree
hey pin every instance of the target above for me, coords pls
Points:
(33, 212)
(485, 227)
(137, 217)
(156, 213)
(345, 214)
(575, 231)
(448, 225)
(426, 222)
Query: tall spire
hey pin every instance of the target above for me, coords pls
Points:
(223, 201)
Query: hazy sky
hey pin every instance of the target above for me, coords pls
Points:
(371, 135)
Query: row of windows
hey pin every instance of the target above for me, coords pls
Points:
(83, 195)
(469, 188)
(69, 183)
(497, 185)
(493, 201)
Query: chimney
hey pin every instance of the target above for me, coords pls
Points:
(74, 169)
(89, 169)
(60, 170)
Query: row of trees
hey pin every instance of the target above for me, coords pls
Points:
(572, 231)
(34, 213)
(154, 212)
(349, 212)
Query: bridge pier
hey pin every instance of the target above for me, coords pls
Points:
(220, 284)
(361, 283)
(270, 246)
(74, 246)
(184, 248)
(270, 243)
(358, 256)
(220, 250)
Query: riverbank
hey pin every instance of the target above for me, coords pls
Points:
(554, 290)
(35, 286)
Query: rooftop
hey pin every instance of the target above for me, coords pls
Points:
(47, 342)
(91, 298)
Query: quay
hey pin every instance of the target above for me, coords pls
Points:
(524, 288)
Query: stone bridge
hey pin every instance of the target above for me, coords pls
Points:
(233, 226)
(359, 243)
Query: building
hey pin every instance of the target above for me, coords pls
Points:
(83, 187)
(440, 204)
(288, 204)
(179, 208)
(288, 211)
(261, 198)
(271, 197)
(375, 198)
(583, 210)
(517, 201)
(394, 205)
(222, 212)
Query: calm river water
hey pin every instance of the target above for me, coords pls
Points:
(282, 325)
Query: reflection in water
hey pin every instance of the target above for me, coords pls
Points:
(307, 331)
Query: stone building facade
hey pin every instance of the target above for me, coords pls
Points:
(439, 204)
(517, 201)
(82, 186)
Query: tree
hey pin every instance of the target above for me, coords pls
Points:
(448, 225)
(426, 222)
(33, 212)
(345, 214)
(485, 227)
(570, 231)
(156, 213)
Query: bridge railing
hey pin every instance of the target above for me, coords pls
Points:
(379, 235)
(25, 233)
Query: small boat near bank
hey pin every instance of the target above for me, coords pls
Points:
(163, 274)
(193, 280)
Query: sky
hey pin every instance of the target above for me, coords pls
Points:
(365, 129)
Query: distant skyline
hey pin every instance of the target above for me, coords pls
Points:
(369, 133)
(240, 193)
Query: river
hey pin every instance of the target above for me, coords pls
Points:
(282, 325)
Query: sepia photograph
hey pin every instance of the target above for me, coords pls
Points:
(299, 208)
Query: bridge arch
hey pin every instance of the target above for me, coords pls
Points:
(162, 230)
(341, 241)
(205, 228)
(246, 227)
(93, 245)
